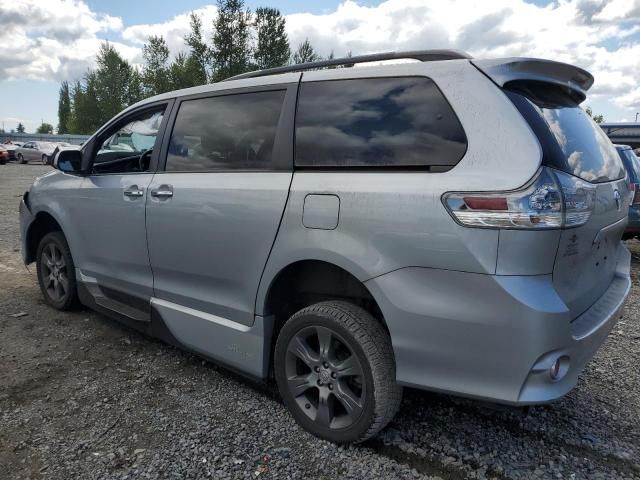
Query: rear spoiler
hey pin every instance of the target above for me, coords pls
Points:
(505, 70)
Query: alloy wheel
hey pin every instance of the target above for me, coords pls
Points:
(54, 272)
(325, 377)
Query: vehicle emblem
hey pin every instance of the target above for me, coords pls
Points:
(616, 195)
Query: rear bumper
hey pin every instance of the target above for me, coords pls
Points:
(492, 337)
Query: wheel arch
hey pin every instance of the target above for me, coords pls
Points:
(43, 223)
(304, 282)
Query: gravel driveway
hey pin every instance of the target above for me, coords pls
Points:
(83, 397)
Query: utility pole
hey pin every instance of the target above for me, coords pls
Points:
(637, 116)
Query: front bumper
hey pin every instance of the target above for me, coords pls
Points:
(492, 337)
(26, 219)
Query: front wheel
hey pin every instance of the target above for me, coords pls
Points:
(56, 272)
(21, 158)
(335, 370)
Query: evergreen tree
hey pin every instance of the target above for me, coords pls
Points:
(305, 53)
(272, 49)
(200, 54)
(184, 72)
(45, 128)
(231, 51)
(76, 93)
(135, 89)
(155, 73)
(86, 116)
(64, 108)
(110, 81)
(20, 128)
(94, 116)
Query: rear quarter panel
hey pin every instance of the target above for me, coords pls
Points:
(391, 220)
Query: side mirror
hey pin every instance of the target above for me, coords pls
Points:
(68, 161)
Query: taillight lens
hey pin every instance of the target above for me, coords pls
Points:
(552, 200)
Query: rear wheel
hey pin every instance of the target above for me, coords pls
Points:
(335, 370)
(56, 272)
(21, 158)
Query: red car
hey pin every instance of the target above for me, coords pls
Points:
(4, 155)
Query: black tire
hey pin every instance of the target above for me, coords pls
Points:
(3, 161)
(317, 390)
(21, 159)
(56, 272)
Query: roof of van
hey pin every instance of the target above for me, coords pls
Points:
(500, 71)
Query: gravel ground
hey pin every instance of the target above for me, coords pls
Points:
(83, 397)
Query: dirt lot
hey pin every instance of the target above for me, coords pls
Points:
(83, 397)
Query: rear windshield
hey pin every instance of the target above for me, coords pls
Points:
(571, 141)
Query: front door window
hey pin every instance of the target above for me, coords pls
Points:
(128, 149)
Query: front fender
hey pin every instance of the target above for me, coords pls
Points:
(50, 204)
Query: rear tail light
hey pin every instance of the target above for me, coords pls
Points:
(552, 199)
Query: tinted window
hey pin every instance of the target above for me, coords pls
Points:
(570, 139)
(397, 122)
(225, 133)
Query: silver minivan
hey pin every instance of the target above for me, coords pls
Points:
(449, 224)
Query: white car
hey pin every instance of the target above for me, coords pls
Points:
(35, 151)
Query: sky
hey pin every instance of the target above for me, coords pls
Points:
(47, 41)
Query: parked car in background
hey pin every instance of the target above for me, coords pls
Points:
(351, 231)
(12, 147)
(632, 166)
(36, 151)
(4, 155)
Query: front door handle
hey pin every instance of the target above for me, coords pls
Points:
(163, 191)
(133, 192)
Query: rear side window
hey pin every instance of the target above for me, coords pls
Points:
(230, 132)
(571, 141)
(378, 122)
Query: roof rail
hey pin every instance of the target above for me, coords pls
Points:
(422, 55)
